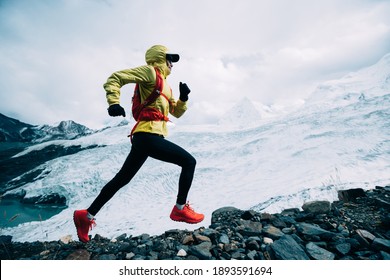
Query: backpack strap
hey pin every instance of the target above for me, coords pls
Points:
(154, 94)
(157, 115)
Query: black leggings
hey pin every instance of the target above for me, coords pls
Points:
(155, 146)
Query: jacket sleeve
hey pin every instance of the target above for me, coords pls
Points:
(143, 75)
(177, 108)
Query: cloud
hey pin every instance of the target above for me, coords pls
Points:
(56, 55)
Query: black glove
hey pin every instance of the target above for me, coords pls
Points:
(184, 91)
(116, 110)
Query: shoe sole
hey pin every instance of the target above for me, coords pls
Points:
(186, 221)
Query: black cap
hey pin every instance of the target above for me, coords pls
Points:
(172, 57)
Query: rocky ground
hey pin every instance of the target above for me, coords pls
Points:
(356, 227)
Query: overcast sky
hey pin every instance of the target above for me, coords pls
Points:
(56, 55)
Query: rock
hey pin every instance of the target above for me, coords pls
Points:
(230, 247)
(181, 253)
(355, 245)
(201, 238)
(238, 256)
(317, 207)
(80, 254)
(267, 240)
(224, 239)
(286, 248)
(44, 253)
(351, 194)
(17, 194)
(272, 232)
(218, 214)
(252, 255)
(172, 233)
(188, 239)
(290, 212)
(49, 199)
(210, 232)
(121, 237)
(385, 256)
(202, 250)
(343, 248)
(247, 215)
(66, 239)
(252, 245)
(279, 223)
(153, 256)
(318, 253)
(287, 230)
(381, 244)
(249, 228)
(364, 237)
(129, 256)
(313, 230)
(382, 203)
(144, 238)
(365, 234)
(343, 230)
(124, 246)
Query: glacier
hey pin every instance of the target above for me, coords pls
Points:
(338, 139)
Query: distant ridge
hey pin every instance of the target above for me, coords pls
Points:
(12, 130)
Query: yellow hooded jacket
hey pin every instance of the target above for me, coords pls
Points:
(145, 76)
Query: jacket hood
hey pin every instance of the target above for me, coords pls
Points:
(156, 56)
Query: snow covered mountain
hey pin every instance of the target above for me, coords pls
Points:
(12, 130)
(241, 115)
(64, 130)
(339, 139)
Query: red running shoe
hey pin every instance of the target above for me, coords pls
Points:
(83, 224)
(187, 215)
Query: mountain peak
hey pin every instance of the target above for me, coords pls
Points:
(242, 113)
(371, 81)
(12, 130)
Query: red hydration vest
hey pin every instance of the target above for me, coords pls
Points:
(141, 110)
